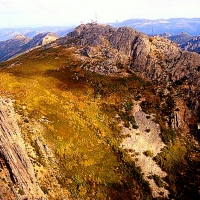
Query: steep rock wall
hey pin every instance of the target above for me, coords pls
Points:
(13, 152)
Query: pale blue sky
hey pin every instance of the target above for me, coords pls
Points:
(32, 13)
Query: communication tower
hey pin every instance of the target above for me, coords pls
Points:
(95, 18)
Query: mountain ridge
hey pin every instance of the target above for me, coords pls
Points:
(20, 44)
(76, 95)
(156, 58)
(158, 26)
(9, 33)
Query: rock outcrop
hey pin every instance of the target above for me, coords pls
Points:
(13, 152)
(161, 60)
(101, 35)
(155, 57)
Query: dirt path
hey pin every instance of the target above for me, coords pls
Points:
(146, 139)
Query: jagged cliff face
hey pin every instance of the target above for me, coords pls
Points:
(14, 155)
(156, 57)
(162, 61)
(112, 47)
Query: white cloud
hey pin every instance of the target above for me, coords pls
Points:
(62, 12)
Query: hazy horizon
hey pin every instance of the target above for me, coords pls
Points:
(40, 13)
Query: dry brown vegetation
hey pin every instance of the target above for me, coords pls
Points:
(73, 112)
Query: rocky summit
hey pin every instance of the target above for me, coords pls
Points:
(155, 58)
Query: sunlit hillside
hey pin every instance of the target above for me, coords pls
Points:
(73, 120)
(73, 113)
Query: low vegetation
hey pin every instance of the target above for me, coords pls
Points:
(77, 112)
(79, 115)
(148, 153)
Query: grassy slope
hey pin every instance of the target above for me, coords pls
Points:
(80, 124)
(77, 111)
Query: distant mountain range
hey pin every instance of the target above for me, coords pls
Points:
(172, 26)
(9, 33)
(185, 41)
(182, 31)
(20, 44)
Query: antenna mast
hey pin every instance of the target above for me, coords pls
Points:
(95, 18)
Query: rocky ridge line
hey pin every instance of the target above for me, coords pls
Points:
(154, 58)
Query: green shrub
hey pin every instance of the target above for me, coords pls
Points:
(172, 158)
(21, 192)
(158, 180)
(45, 190)
(135, 126)
(148, 153)
(128, 106)
(148, 130)
(167, 134)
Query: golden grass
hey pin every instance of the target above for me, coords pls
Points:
(75, 126)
